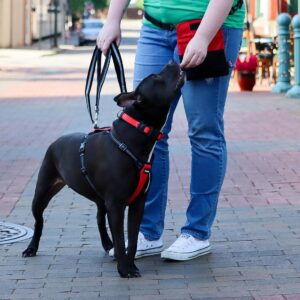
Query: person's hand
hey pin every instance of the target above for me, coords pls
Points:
(111, 32)
(195, 52)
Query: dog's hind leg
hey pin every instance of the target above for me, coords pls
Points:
(101, 221)
(48, 184)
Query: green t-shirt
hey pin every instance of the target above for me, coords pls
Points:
(176, 11)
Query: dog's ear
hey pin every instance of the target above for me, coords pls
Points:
(126, 99)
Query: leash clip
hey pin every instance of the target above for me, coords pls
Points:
(96, 116)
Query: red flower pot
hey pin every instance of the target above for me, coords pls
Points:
(246, 80)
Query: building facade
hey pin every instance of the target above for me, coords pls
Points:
(24, 21)
(263, 14)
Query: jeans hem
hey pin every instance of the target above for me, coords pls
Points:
(150, 238)
(195, 234)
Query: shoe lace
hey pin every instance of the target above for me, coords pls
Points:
(186, 239)
(185, 235)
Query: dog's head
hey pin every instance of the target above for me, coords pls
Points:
(156, 90)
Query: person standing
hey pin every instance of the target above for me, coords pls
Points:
(204, 102)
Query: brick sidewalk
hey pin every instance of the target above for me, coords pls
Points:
(256, 235)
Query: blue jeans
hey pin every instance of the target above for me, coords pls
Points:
(204, 102)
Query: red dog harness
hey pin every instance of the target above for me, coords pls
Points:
(143, 184)
(145, 168)
(145, 171)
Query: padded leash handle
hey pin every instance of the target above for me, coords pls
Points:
(101, 75)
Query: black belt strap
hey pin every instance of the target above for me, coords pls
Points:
(101, 75)
(165, 26)
(238, 5)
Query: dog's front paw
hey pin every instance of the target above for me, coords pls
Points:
(107, 246)
(29, 252)
(134, 271)
(129, 272)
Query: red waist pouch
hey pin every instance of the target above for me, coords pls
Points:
(215, 63)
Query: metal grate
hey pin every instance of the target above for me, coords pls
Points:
(12, 233)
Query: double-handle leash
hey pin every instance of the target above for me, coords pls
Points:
(101, 75)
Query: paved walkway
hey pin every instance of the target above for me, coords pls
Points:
(256, 235)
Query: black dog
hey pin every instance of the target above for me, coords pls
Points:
(113, 172)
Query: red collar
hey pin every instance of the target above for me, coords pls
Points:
(150, 131)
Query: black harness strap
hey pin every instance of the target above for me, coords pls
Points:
(123, 147)
(82, 159)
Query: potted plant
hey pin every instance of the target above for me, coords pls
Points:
(246, 72)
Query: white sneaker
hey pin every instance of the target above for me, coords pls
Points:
(186, 247)
(144, 247)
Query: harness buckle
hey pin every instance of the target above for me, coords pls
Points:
(147, 168)
(168, 27)
(160, 136)
(82, 144)
(83, 170)
(123, 147)
(150, 131)
(141, 127)
(146, 129)
(82, 147)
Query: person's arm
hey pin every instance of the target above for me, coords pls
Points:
(111, 31)
(214, 17)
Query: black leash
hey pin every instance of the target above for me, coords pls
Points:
(101, 75)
